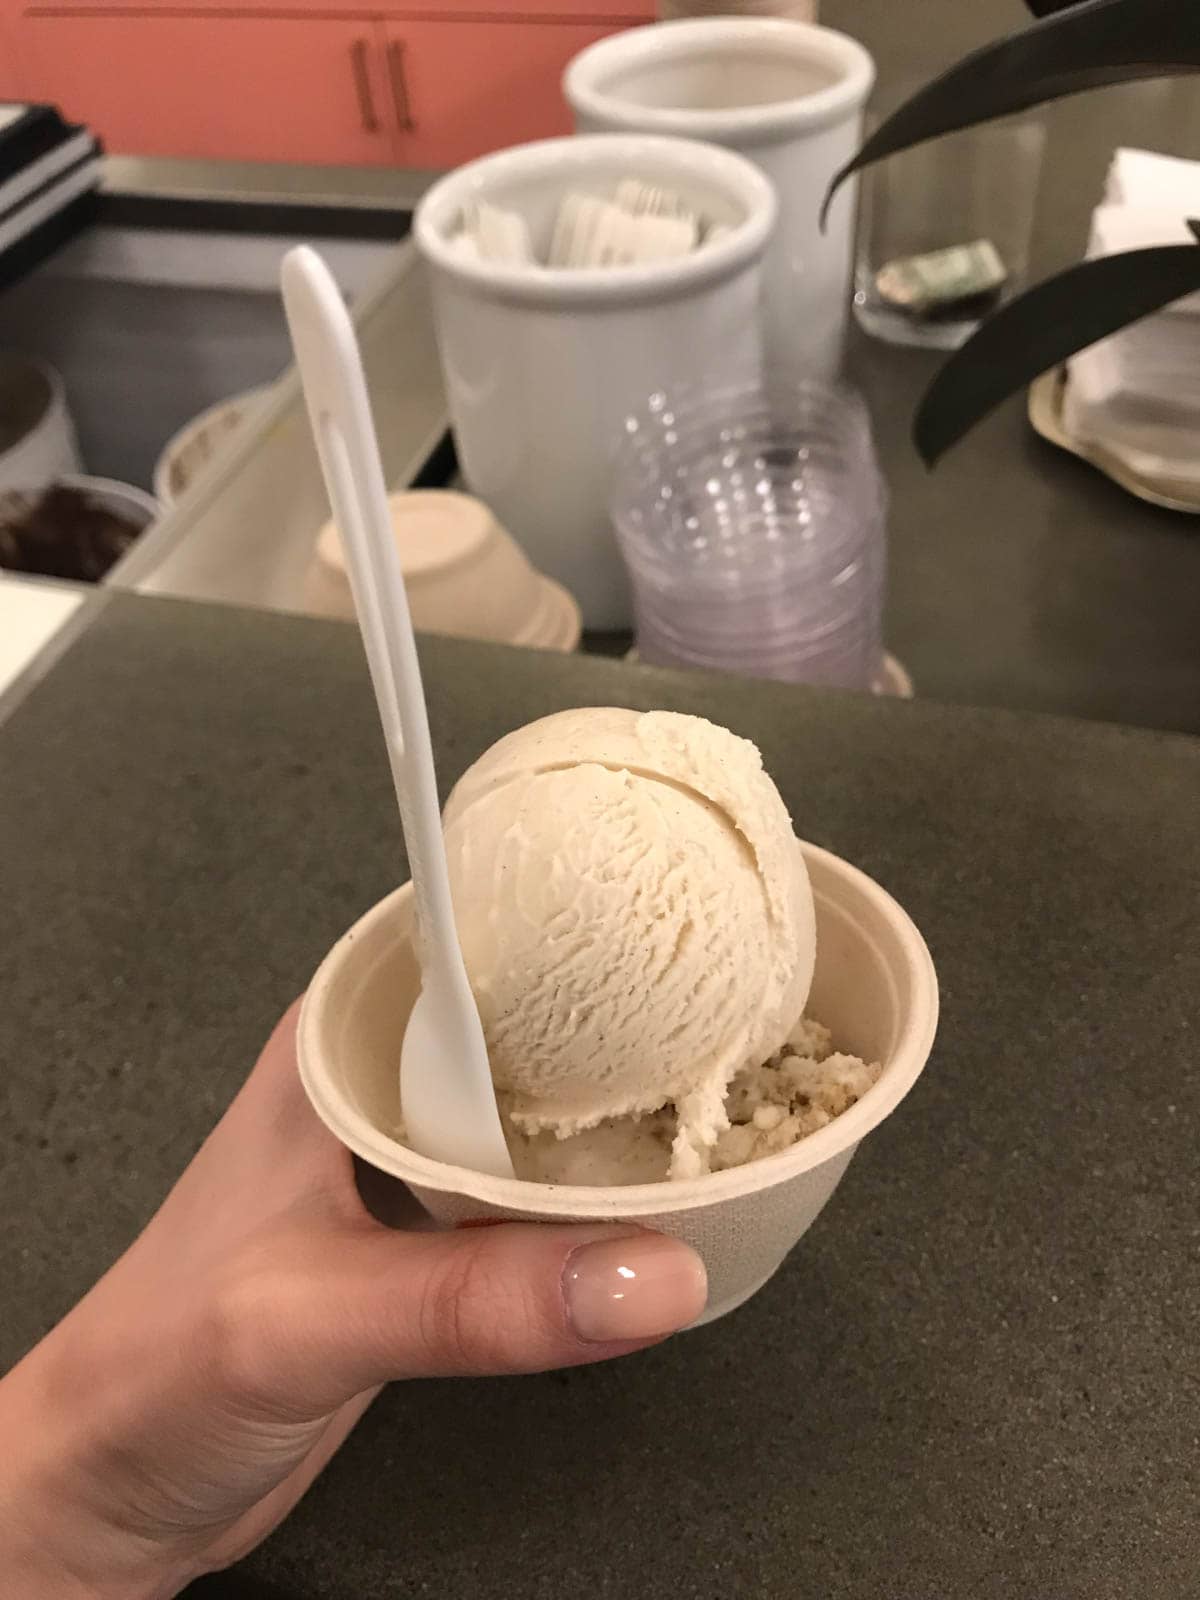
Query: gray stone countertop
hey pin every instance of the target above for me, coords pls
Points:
(976, 1376)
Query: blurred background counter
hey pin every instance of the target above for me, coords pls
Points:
(1019, 577)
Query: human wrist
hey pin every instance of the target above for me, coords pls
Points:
(44, 1573)
(52, 1549)
(55, 1542)
(34, 1571)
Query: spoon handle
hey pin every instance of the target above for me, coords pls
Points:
(340, 411)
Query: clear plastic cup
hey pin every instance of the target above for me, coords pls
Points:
(979, 184)
(752, 521)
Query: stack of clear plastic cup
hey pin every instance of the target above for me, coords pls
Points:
(753, 524)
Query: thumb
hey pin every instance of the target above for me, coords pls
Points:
(518, 1297)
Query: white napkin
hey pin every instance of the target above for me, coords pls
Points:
(642, 223)
(1141, 387)
(1147, 178)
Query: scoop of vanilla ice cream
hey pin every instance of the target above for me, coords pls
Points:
(635, 917)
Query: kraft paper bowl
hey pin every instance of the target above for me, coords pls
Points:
(875, 987)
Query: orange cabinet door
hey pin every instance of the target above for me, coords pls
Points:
(12, 79)
(226, 88)
(462, 88)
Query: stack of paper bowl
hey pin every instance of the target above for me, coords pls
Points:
(465, 575)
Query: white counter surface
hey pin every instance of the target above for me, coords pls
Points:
(32, 612)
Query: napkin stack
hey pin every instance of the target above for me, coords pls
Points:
(641, 223)
(46, 166)
(1140, 389)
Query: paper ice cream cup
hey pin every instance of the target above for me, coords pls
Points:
(875, 988)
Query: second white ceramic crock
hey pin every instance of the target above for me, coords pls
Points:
(787, 94)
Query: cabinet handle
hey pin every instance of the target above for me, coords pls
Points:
(404, 116)
(362, 86)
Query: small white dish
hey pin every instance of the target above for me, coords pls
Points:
(1130, 470)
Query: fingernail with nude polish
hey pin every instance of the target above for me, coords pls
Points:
(637, 1287)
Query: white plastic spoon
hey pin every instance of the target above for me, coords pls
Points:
(446, 1094)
